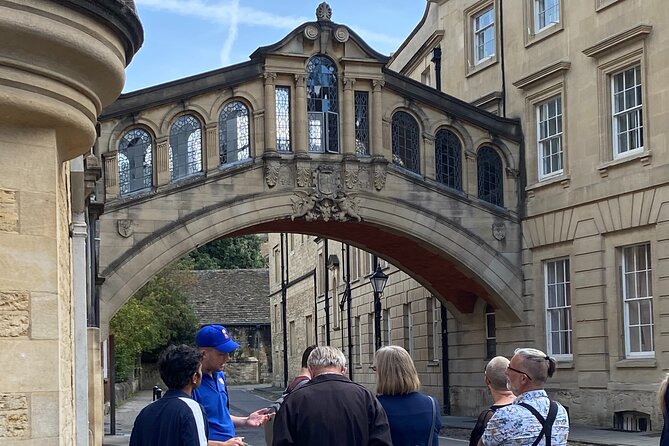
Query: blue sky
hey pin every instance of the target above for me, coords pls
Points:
(187, 37)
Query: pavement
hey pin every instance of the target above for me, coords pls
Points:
(245, 399)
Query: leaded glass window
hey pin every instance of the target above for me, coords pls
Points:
(405, 142)
(489, 170)
(233, 132)
(322, 105)
(362, 123)
(185, 147)
(448, 159)
(282, 119)
(135, 166)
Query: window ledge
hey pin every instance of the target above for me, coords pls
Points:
(565, 363)
(558, 68)
(643, 157)
(433, 363)
(637, 363)
(563, 179)
(482, 65)
(543, 33)
(625, 37)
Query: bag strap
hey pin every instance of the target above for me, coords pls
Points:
(434, 421)
(546, 423)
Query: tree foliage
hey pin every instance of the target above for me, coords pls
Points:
(229, 253)
(156, 316)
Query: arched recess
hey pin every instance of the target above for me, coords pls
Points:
(181, 109)
(124, 125)
(446, 258)
(235, 131)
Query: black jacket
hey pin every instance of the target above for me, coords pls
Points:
(174, 420)
(331, 410)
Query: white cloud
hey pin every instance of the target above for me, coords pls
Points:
(232, 33)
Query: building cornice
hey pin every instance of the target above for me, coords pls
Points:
(625, 37)
(557, 68)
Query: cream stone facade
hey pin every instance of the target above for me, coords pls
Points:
(60, 64)
(587, 80)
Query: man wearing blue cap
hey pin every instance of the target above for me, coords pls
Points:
(216, 345)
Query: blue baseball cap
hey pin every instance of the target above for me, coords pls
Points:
(216, 336)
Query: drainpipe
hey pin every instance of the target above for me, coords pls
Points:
(501, 56)
(436, 58)
(348, 311)
(444, 360)
(284, 280)
(315, 308)
(327, 291)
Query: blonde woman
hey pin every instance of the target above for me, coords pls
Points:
(414, 418)
(663, 400)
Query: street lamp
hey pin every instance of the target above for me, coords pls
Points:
(378, 280)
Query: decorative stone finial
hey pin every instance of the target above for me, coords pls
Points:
(323, 12)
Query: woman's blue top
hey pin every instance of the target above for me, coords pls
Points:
(410, 418)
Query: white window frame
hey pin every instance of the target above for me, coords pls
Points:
(637, 300)
(480, 32)
(408, 317)
(538, 11)
(490, 337)
(387, 327)
(561, 306)
(358, 340)
(435, 331)
(546, 138)
(635, 110)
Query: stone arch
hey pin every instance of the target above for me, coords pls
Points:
(233, 94)
(127, 124)
(499, 146)
(499, 279)
(178, 110)
(456, 127)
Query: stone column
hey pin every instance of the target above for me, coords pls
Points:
(348, 118)
(111, 175)
(427, 167)
(377, 119)
(213, 157)
(270, 112)
(162, 162)
(301, 142)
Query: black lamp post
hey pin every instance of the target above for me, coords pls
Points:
(378, 280)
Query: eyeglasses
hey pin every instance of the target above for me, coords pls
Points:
(373, 368)
(519, 371)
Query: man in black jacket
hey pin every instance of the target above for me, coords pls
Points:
(331, 409)
(175, 419)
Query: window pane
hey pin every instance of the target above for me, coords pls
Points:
(323, 100)
(489, 170)
(185, 145)
(448, 159)
(233, 132)
(405, 141)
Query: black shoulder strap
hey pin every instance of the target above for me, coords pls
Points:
(546, 423)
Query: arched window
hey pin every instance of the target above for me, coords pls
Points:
(489, 170)
(322, 105)
(185, 147)
(233, 132)
(405, 142)
(448, 159)
(135, 161)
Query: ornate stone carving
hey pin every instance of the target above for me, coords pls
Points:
(349, 83)
(269, 77)
(125, 229)
(379, 176)
(499, 231)
(311, 32)
(377, 84)
(351, 177)
(300, 80)
(323, 12)
(326, 201)
(341, 34)
(303, 176)
(272, 168)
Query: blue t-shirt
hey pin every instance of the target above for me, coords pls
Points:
(410, 418)
(212, 394)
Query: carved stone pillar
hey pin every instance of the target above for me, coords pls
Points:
(162, 162)
(469, 177)
(258, 133)
(427, 157)
(111, 175)
(348, 113)
(300, 114)
(377, 118)
(270, 112)
(213, 159)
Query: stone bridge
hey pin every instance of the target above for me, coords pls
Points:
(378, 161)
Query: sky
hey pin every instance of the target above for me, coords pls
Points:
(187, 37)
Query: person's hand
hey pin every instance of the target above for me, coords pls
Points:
(258, 418)
(236, 441)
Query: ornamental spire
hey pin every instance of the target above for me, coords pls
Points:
(323, 12)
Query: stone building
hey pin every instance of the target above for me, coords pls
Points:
(61, 62)
(237, 299)
(587, 81)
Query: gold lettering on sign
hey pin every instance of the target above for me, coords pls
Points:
(9, 212)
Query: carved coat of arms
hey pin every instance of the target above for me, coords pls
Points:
(125, 229)
(327, 200)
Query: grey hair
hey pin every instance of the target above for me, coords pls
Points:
(326, 357)
(539, 365)
(495, 371)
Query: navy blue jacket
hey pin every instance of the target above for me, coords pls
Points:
(410, 418)
(174, 420)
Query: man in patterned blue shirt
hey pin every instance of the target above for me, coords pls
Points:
(532, 420)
